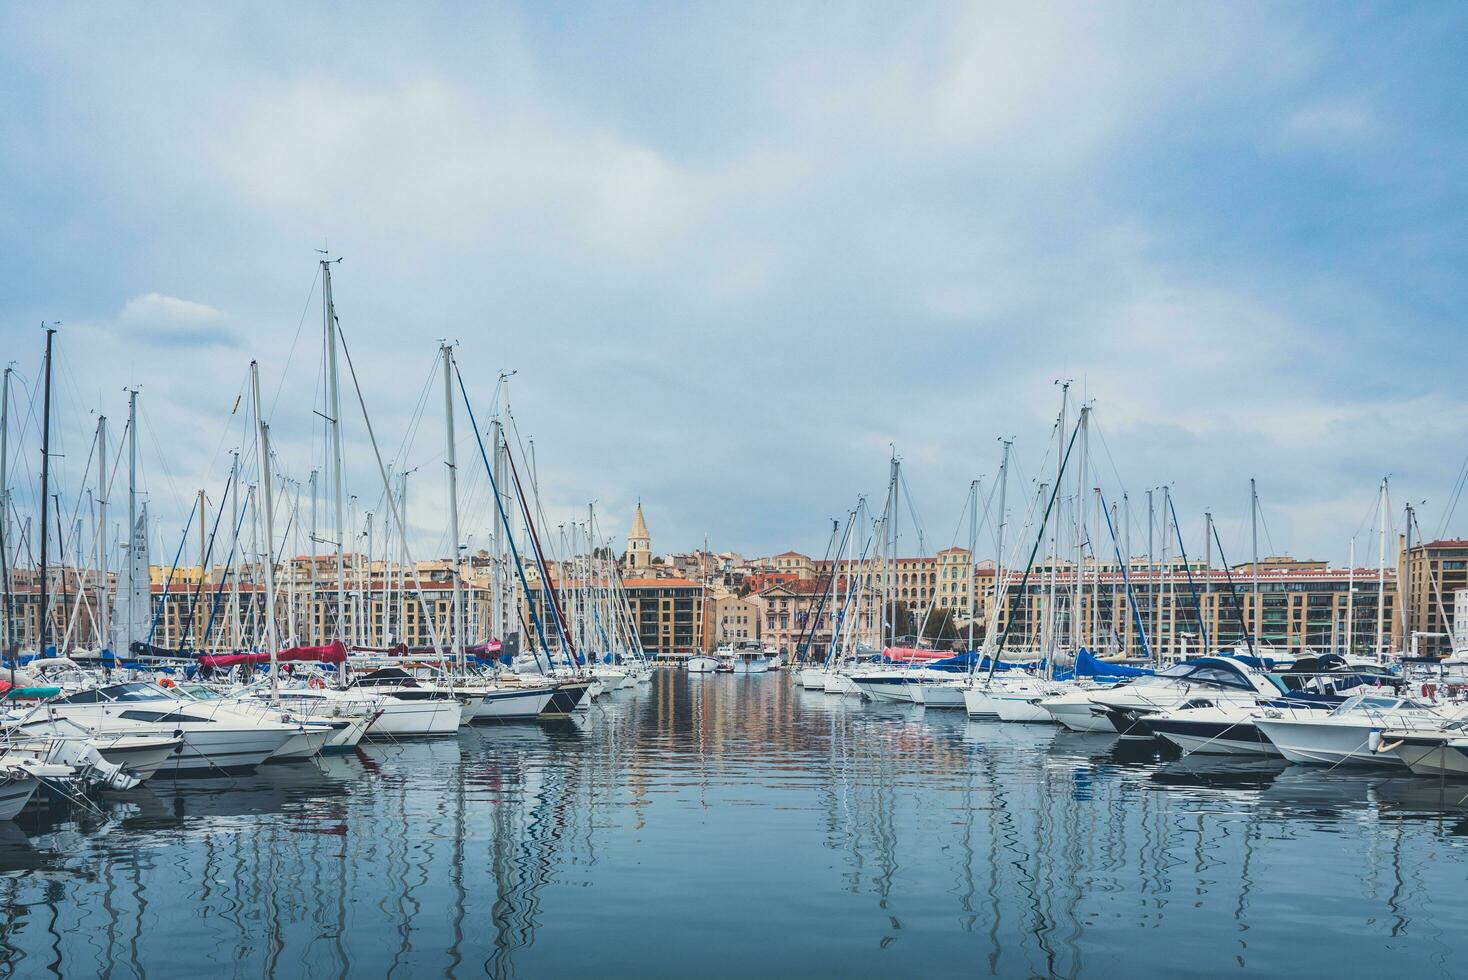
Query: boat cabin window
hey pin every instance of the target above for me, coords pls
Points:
(1220, 676)
(138, 714)
(133, 692)
(80, 697)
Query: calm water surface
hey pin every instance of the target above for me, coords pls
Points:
(731, 826)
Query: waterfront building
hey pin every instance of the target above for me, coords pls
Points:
(668, 613)
(1433, 573)
(730, 618)
(787, 609)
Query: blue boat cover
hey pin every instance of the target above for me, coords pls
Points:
(1089, 665)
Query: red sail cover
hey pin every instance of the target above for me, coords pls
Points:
(332, 653)
(912, 653)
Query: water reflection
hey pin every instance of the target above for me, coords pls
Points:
(682, 827)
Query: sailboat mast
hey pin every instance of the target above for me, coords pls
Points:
(456, 626)
(1404, 587)
(1381, 573)
(103, 618)
(1049, 626)
(132, 521)
(1254, 538)
(896, 547)
(1001, 590)
(334, 412)
(1208, 569)
(497, 563)
(1351, 601)
(5, 543)
(272, 641)
(1079, 526)
(311, 576)
(1167, 611)
(1152, 589)
(45, 488)
(234, 549)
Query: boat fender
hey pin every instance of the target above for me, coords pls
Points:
(317, 683)
(1429, 690)
(1373, 740)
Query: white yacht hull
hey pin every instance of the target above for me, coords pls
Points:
(417, 719)
(15, 793)
(506, 704)
(1079, 716)
(1020, 708)
(979, 703)
(751, 666)
(811, 678)
(206, 752)
(305, 744)
(1326, 743)
(702, 664)
(941, 695)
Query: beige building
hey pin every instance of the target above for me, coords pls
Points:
(730, 619)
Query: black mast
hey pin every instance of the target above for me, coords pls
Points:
(45, 484)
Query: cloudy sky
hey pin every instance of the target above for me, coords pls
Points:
(735, 252)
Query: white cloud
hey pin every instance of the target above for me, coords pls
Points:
(158, 309)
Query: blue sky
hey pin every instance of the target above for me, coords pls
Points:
(735, 252)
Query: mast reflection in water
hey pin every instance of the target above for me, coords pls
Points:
(724, 826)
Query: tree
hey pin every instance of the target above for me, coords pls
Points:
(940, 624)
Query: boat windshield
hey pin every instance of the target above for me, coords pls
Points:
(1377, 704)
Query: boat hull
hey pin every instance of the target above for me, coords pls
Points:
(941, 696)
(567, 699)
(422, 718)
(509, 704)
(1215, 737)
(15, 793)
(1325, 744)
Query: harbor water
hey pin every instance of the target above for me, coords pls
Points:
(732, 826)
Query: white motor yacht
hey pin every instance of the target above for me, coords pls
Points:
(1221, 679)
(136, 751)
(218, 737)
(1349, 734)
(412, 709)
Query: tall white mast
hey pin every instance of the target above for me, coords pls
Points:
(5, 565)
(334, 413)
(1001, 589)
(1154, 593)
(972, 578)
(234, 550)
(896, 547)
(1080, 530)
(104, 624)
(1254, 538)
(1167, 610)
(292, 627)
(1351, 600)
(272, 641)
(456, 625)
(1049, 625)
(403, 559)
(1381, 575)
(130, 633)
(311, 577)
(497, 561)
